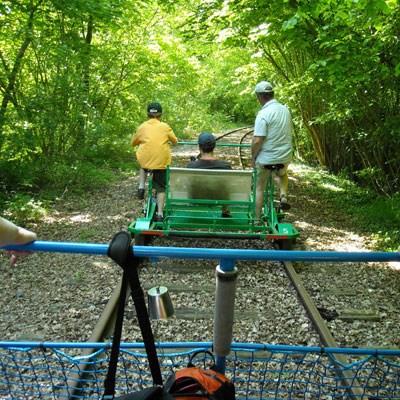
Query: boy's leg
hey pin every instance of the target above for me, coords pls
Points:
(142, 183)
(142, 178)
(160, 203)
(159, 183)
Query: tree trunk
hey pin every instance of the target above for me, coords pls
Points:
(9, 92)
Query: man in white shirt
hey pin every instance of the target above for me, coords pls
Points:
(271, 144)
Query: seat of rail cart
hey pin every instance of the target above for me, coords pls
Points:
(195, 198)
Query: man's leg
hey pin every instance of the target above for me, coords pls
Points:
(262, 177)
(259, 200)
(283, 181)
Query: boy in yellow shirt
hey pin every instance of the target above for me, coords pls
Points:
(153, 138)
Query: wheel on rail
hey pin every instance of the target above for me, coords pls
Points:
(285, 244)
(142, 240)
(139, 240)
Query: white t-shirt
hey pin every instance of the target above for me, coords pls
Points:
(274, 122)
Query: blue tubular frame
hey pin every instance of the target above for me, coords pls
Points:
(227, 257)
(214, 254)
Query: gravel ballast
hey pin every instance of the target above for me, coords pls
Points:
(59, 297)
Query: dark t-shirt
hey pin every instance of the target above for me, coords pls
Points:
(212, 189)
(209, 164)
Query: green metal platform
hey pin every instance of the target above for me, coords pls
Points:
(194, 202)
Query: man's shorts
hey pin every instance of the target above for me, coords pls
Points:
(159, 180)
(263, 173)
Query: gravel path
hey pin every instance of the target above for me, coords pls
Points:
(59, 297)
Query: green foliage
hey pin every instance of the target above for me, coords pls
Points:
(378, 216)
(84, 78)
(76, 76)
(22, 208)
(336, 63)
(80, 177)
(381, 216)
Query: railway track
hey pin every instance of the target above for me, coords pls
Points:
(314, 317)
(269, 309)
(171, 274)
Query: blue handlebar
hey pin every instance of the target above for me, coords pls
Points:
(203, 253)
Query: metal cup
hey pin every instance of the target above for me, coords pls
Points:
(160, 304)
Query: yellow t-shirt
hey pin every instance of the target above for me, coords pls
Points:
(152, 137)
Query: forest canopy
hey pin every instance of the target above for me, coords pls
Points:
(76, 76)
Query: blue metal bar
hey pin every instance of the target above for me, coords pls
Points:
(205, 345)
(62, 247)
(105, 345)
(203, 253)
(218, 144)
(221, 364)
(227, 265)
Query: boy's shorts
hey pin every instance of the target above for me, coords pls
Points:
(159, 180)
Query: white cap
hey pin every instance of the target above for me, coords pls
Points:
(263, 87)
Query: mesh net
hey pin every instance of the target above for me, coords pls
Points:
(41, 371)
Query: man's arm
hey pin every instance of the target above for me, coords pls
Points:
(13, 234)
(256, 145)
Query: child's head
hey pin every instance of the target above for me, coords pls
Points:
(206, 142)
(154, 110)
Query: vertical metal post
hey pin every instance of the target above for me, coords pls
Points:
(226, 277)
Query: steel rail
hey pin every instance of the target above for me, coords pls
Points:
(103, 328)
(325, 335)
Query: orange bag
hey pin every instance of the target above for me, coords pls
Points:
(195, 383)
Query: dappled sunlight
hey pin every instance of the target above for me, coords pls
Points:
(293, 178)
(56, 218)
(300, 168)
(81, 218)
(323, 238)
(394, 265)
(115, 217)
(304, 170)
(102, 265)
(332, 187)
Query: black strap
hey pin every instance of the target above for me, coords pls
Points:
(205, 352)
(274, 167)
(109, 383)
(120, 250)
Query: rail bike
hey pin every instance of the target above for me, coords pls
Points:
(195, 203)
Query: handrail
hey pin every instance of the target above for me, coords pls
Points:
(206, 344)
(204, 253)
(218, 144)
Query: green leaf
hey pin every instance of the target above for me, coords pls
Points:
(397, 70)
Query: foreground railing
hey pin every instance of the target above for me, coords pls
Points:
(44, 370)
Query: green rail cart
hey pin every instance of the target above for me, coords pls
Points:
(194, 203)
